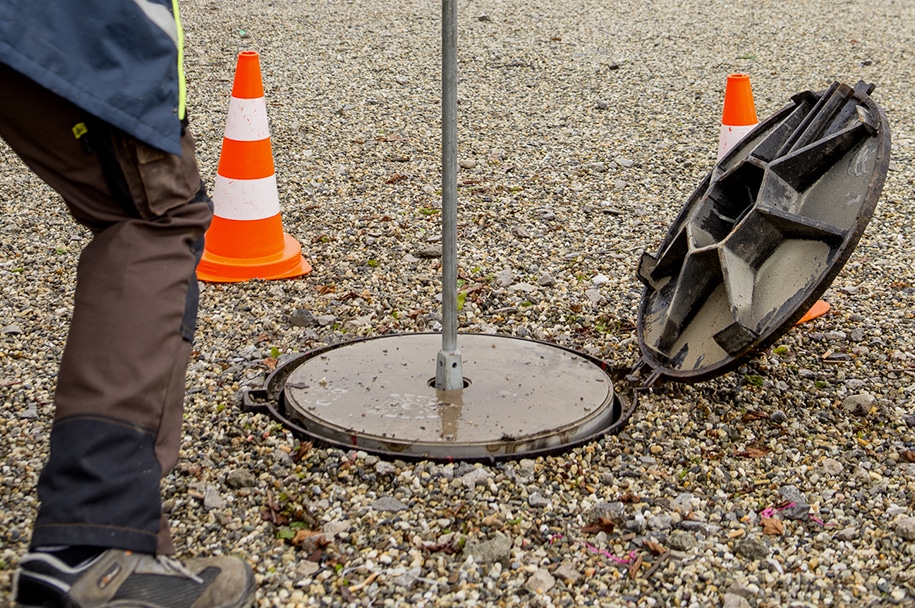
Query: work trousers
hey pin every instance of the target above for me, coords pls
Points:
(120, 389)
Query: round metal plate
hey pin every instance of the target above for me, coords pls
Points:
(521, 397)
(764, 235)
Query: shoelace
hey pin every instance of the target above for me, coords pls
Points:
(173, 564)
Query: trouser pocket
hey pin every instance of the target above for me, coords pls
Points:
(157, 180)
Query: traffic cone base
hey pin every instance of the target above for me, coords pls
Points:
(282, 264)
(819, 309)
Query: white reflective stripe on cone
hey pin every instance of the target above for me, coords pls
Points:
(730, 135)
(247, 119)
(245, 199)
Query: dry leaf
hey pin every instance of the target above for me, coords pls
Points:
(604, 524)
(630, 498)
(754, 452)
(654, 547)
(493, 521)
(270, 362)
(302, 452)
(908, 455)
(754, 415)
(772, 526)
(303, 535)
(634, 567)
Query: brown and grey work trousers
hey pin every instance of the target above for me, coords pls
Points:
(120, 388)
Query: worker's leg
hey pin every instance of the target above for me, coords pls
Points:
(120, 389)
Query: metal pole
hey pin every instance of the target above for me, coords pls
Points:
(448, 372)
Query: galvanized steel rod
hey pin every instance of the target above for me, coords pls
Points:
(448, 373)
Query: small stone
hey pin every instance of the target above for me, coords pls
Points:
(800, 509)
(520, 232)
(240, 478)
(496, 549)
(637, 524)
(568, 573)
(905, 528)
(475, 478)
(681, 540)
(383, 467)
(753, 548)
(614, 511)
(305, 568)
(12, 330)
(537, 501)
(684, 503)
(526, 467)
(732, 600)
(505, 277)
(523, 287)
(388, 503)
(778, 416)
(303, 318)
(540, 581)
(847, 534)
(325, 320)
(624, 162)
(429, 252)
(594, 296)
(212, 499)
(831, 466)
(546, 280)
(468, 164)
(660, 522)
(859, 405)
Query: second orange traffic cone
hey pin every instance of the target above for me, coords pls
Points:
(739, 115)
(246, 239)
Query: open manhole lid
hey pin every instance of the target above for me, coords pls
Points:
(757, 243)
(764, 235)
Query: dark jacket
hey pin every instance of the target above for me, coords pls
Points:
(117, 59)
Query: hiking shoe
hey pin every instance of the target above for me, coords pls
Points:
(124, 578)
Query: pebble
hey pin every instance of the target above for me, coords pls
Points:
(537, 501)
(680, 540)
(732, 600)
(905, 528)
(496, 549)
(240, 478)
(389, 503)
(753, 548)
(859, 405)
(541, 581)
(831, 466)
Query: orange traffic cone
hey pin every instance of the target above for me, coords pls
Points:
(739, 115)
(246, 239)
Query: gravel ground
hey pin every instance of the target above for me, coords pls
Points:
(584, 127)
